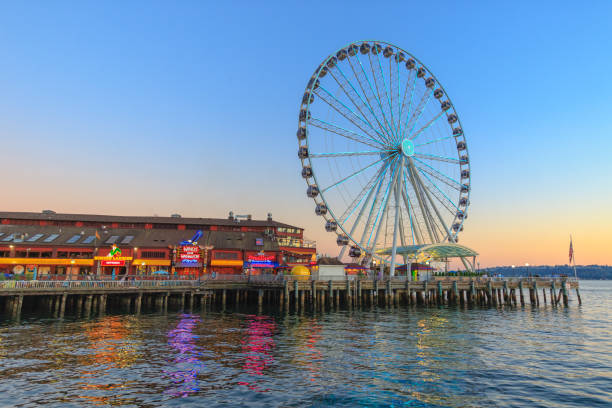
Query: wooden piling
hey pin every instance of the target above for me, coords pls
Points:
(138, 303)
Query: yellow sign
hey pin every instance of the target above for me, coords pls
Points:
(223, 262)
(114, 258)
(153, 262)
(47, 261)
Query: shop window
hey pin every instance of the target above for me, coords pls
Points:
(46, 254)
(62, 254)
(153, 254)
(5, 254)
(226, 255)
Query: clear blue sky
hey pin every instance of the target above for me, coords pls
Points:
(191, 107)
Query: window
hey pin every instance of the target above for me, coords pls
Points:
(89, 239)
(8, 238)
(112, 239)
(127, 239)
(51, 238)
(73, 239)
(153, 254)
(34, 238)
(226, 255)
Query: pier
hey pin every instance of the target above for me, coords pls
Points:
(90, 297)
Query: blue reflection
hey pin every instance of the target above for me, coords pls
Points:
(187, 363)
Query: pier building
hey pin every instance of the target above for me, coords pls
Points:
(50, 243)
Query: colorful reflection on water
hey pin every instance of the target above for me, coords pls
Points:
(424, 357)
(257, 348)
(113, 345)
(187, 363)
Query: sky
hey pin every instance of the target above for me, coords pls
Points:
(143, 108)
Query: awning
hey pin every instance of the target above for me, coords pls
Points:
(433, 251)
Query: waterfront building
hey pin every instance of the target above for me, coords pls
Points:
(73, 245)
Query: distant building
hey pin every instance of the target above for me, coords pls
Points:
(82, 244)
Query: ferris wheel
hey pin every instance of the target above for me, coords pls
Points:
(383, 152)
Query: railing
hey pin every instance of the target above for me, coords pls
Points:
(97, 284)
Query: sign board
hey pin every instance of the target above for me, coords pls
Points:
(261, 261)
(112, 262)
(190, 254)
(259, 241)
(116, 258)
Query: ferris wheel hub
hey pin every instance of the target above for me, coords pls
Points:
(407, 147)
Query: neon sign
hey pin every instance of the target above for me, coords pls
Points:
(261, 261)
(190, 254)
(193, 240)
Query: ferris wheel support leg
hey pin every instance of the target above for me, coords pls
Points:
(394, 248)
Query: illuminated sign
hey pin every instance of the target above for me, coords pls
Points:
(112, 262)
(193, 240)
(116, 258)
(261, 261)
(190, 254)
(259, 241)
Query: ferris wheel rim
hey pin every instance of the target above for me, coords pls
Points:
(330, 215)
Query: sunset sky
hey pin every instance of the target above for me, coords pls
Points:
(192, 108)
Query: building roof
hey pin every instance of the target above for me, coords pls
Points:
(435, 251)
(35, 236)
(139, 219)
(325, 260)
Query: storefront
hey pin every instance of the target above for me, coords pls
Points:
(259, 263)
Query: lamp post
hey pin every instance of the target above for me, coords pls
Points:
(527, 266)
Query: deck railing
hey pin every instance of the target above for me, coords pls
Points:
(97, 284)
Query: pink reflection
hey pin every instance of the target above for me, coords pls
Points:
(257, 347)
(187, 361)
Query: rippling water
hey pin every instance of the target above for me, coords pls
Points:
(374, 357)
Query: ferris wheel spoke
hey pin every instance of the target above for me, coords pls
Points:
(445, 230)
(352, 175)
(369, 97)
(345, 133)
(366, 191)
(426, 156)
(443, 202)
(383, 205)
(376, 96)
(380, 83)
(388, 93)
(422, 205)
(374, 205)
(433, 141)
(346, 154)
(418, 111)
(345, 111)
(439, 175)
(372, 183)
(412, 89)
(359, 106)
(427, 125)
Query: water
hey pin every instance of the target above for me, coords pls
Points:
(400, 357)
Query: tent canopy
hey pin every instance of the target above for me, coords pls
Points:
(434, 251)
